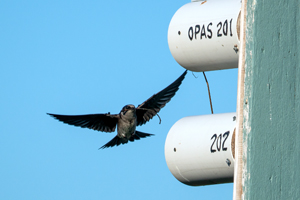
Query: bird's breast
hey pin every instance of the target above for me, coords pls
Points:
(126, 127)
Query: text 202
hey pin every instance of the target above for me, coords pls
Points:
(218, 143)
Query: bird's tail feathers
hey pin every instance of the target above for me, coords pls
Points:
(116, 141)
(139, 135)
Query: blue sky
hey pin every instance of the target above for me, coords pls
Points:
(84, 57)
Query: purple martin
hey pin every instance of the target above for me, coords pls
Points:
(127, 120)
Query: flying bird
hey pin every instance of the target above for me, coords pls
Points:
(127, 120)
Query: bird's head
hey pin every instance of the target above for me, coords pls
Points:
(127, 108)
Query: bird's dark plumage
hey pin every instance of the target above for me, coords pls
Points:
(127, 120)
(98, 122)
(148, 109)
(117, 140)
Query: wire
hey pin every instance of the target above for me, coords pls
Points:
(211, 107)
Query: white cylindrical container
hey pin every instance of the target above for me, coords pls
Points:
(199, 150)
(203, 35)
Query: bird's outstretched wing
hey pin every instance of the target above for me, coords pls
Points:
(117, 140)
(99, 122)
(152, 106)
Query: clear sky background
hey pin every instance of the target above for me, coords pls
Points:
(85, 57)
